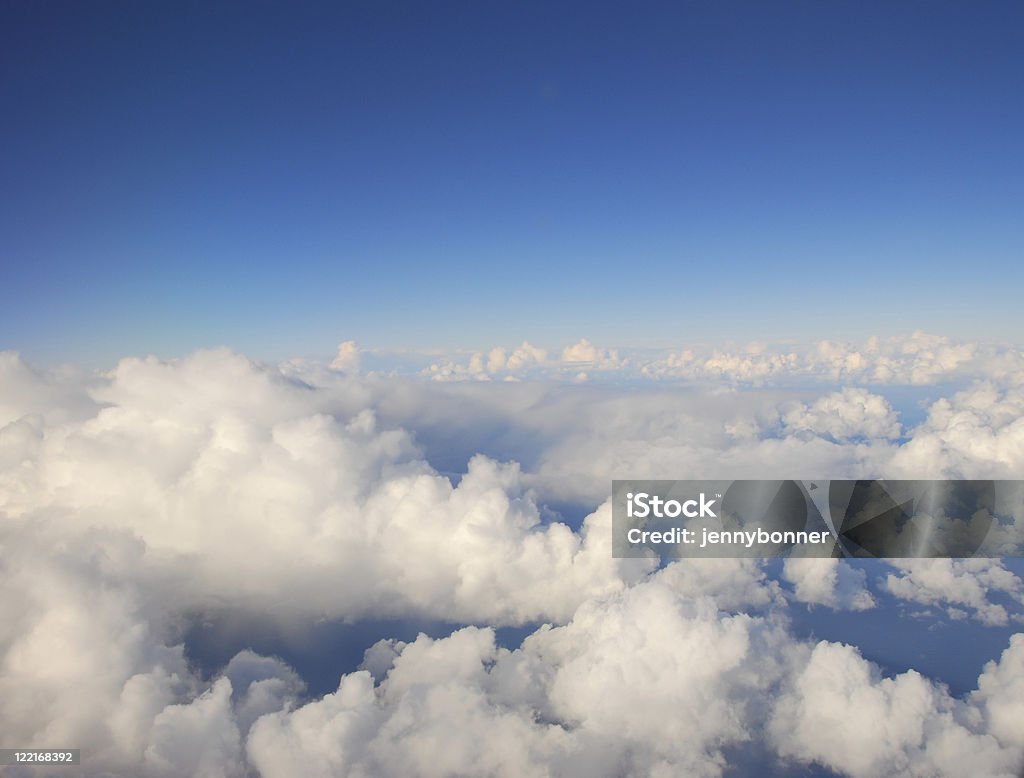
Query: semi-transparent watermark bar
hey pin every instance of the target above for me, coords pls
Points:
(832, 518)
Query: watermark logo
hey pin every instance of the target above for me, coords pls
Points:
(876, 518)
(641, 505)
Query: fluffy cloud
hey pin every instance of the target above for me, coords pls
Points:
(977, 433)
(679, 705)
(34, 395)
(751, 366)
(918, 359)
(521, 357)
(87, 658)
(948, 583)
(347, 357)
(830, 582)
(844, 415)
(442, 704)
(245, 485)
(586, 353)
(693, 681)
(662, 434)
(838, 711)
(1000, 694)
(138, 500)
(484, 367)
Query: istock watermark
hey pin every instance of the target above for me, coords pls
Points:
(831, 518)
(641, 505)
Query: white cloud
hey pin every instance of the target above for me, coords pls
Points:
(586, 353)
(197, 738)
(838, 711)
(525, 356)
(347, 357)
(449, 370)
(978, 433)
(849, 413)
(496, 359)
(830, 582)
(951, 582)
(461, 705)
(87, 657)
(497, 362)
(743, 367)
(1000, 694)
(649, 681)
(34, 395)
(245, 486)
(166, 488)
(917, 359)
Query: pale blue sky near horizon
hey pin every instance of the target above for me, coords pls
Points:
(278, 177)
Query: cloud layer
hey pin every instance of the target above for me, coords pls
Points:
(134, 502)
(918, 359)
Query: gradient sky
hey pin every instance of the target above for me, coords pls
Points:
(278, 177)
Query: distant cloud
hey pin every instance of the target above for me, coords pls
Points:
(347, 357)
(586, 353)
(918, 359)
(498, 361)
(525, 356)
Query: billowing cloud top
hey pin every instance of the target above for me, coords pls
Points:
(138, 502)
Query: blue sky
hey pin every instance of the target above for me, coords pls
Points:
(277, 177)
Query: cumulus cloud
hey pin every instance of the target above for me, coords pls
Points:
(679, 705)
(659, 434)
(830, 582)
(524, 356)
(844, 415)
(132, 501)
(968, 583)
(249, 488)
(33, 395)
(347, 357)
(88, 659)
(920, 358)
(1000, 694)
(840, 712)
(917, 359)
(586, 353)
(498, 362)
(976, 433)
(755, 367)
(214, 480)
(693, 681)
(441, 703)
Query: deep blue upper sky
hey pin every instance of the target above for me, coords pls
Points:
(281, 176)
